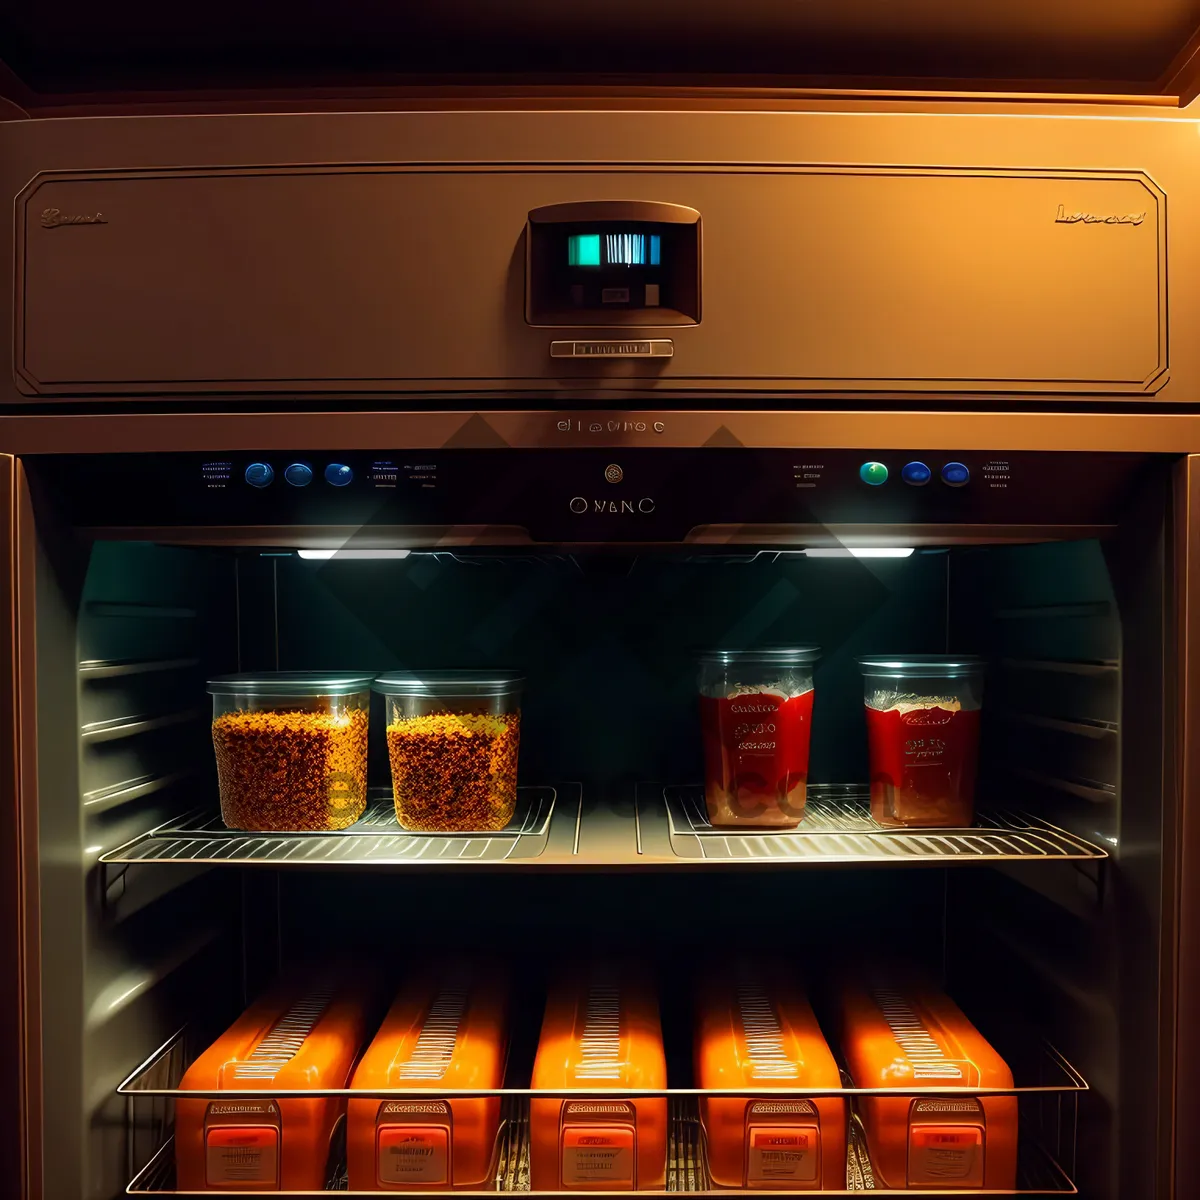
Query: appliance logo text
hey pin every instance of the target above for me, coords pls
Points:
(1086, 218)
(581, 504)
(610, 426)
(52, 218)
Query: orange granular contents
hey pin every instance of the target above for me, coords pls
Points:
(455, 771)
(291, 770)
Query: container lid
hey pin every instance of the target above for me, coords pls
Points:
(291, 683)
(778, 656)
(922, 666)
(449, 683)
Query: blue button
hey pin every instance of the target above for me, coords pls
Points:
(338, 474)
(259, 475)
(298, 474)
(955, 474)
(916, 473)
(874, 473)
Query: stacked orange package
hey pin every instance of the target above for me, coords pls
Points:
(301, 1036)
(601, 1032)
(447, 1028)
(755, 1029)
(901, 1032)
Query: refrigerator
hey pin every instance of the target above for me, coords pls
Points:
(585, 393)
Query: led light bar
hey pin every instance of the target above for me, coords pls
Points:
(859, 552)
(360, 554)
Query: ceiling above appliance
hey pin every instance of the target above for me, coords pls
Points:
(76, 51)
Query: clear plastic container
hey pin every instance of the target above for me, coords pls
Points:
(756, 714)
(291, 748)
(453, 739)
(923, 735)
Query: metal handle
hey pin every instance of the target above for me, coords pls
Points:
(639, 348)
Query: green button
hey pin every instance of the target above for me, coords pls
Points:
(873, 473)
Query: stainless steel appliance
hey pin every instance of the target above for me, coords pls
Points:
(590, 484)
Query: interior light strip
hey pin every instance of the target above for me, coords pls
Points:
(859, 552)
(344, 554)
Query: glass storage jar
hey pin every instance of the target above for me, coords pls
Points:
(923, 737)
(453, 739)
(291, 748)
(756, 716)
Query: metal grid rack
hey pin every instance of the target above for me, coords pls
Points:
(375, 839)
(552, 824)
(687, 1171)
(1049, 1117)
(837, 827)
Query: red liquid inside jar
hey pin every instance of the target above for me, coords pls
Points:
(923, 764)
(756, 758)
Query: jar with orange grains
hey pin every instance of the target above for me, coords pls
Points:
(291, 749)
(453, 738)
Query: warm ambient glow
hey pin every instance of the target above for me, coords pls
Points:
(860, 552)
(342, 554)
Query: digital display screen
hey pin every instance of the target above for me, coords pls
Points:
(614, 250)
(583, 250)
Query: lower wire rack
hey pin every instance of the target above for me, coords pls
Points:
(1038, 1174)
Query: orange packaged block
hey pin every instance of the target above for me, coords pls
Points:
(601, 1031)
(448, 1028)
(296, 1037)
(906, 1033)
(755, 1029)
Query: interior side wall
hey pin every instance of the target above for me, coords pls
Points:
(1076, 716)
(124, 634)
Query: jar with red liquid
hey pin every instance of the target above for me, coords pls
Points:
(923, 737)
(756, 714)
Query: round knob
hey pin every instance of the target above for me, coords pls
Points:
(259, 474)
(916, 473)
(955, 474)
(874, 473)
(338, 474)
(298, 474)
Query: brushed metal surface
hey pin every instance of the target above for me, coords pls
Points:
(1171, 433)
(857, 251)
(348, 278)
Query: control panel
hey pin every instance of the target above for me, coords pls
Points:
(604, 495)
(917, 473)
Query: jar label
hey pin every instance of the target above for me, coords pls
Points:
(945, 1155)
(413, 1154)
(597, 1155)
(789, 1152)
(241, 1154)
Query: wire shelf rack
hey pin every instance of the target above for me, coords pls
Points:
(552, 827)
(837, 827)
(1038, 1174)
(377, 838)
(1048, 1103)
